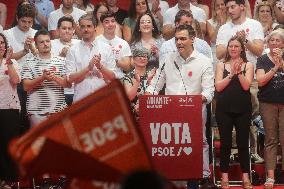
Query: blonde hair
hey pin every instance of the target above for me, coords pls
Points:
(261, 4)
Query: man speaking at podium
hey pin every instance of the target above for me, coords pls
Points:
(187, 72)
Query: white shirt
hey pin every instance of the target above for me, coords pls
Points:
(58, 13)
(199, 45)
(56, 48)
(194, 77)
(78, 58)
(120, 48)
(49, 96)
(198, 14)
(253, 31)
(8, 94)
(16, 39)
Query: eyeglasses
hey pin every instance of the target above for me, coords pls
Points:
(145, 21)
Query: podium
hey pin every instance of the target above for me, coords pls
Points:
(172, 129)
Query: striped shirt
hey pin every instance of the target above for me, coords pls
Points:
(49, 96)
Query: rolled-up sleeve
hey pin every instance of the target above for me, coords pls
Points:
(208, 82)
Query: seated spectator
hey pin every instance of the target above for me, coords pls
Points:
(147, 35)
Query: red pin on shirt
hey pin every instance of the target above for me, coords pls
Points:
(189, 74)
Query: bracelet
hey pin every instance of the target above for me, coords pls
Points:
(246, 41)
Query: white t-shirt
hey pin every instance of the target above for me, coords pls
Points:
(58, 13)
(199, 45)
(56, 48)
(164, 6)
(253, 31)
(120, 48)
(16, 39)
(49, 96)
(78, 58)
(8, 94)
(169, 17)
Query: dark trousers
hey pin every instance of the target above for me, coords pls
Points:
(24, 120)
(9, 128)
(242, 122)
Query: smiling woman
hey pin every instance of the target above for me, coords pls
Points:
(232, 81)
(147, 35)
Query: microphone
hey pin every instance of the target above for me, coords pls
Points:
(163, 66)
(181, 77)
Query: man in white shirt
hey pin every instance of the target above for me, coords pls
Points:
(248, 29)
(20, 38)
(181, 18)
(120, 48)
(187, 72)
(89, 65)
(251, 32)
(66, 9)
(168, 18)
(60, 47)
(43, 79)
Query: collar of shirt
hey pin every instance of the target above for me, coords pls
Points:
(193, 56)
(89, 45)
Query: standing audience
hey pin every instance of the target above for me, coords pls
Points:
(9, 110)
(89, 65)
(233, 107)
(270, 77)
(43, 79)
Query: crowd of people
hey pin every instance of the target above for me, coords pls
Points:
(229, 53)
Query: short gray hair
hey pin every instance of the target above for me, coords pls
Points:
(88, 17)
(276, 32)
